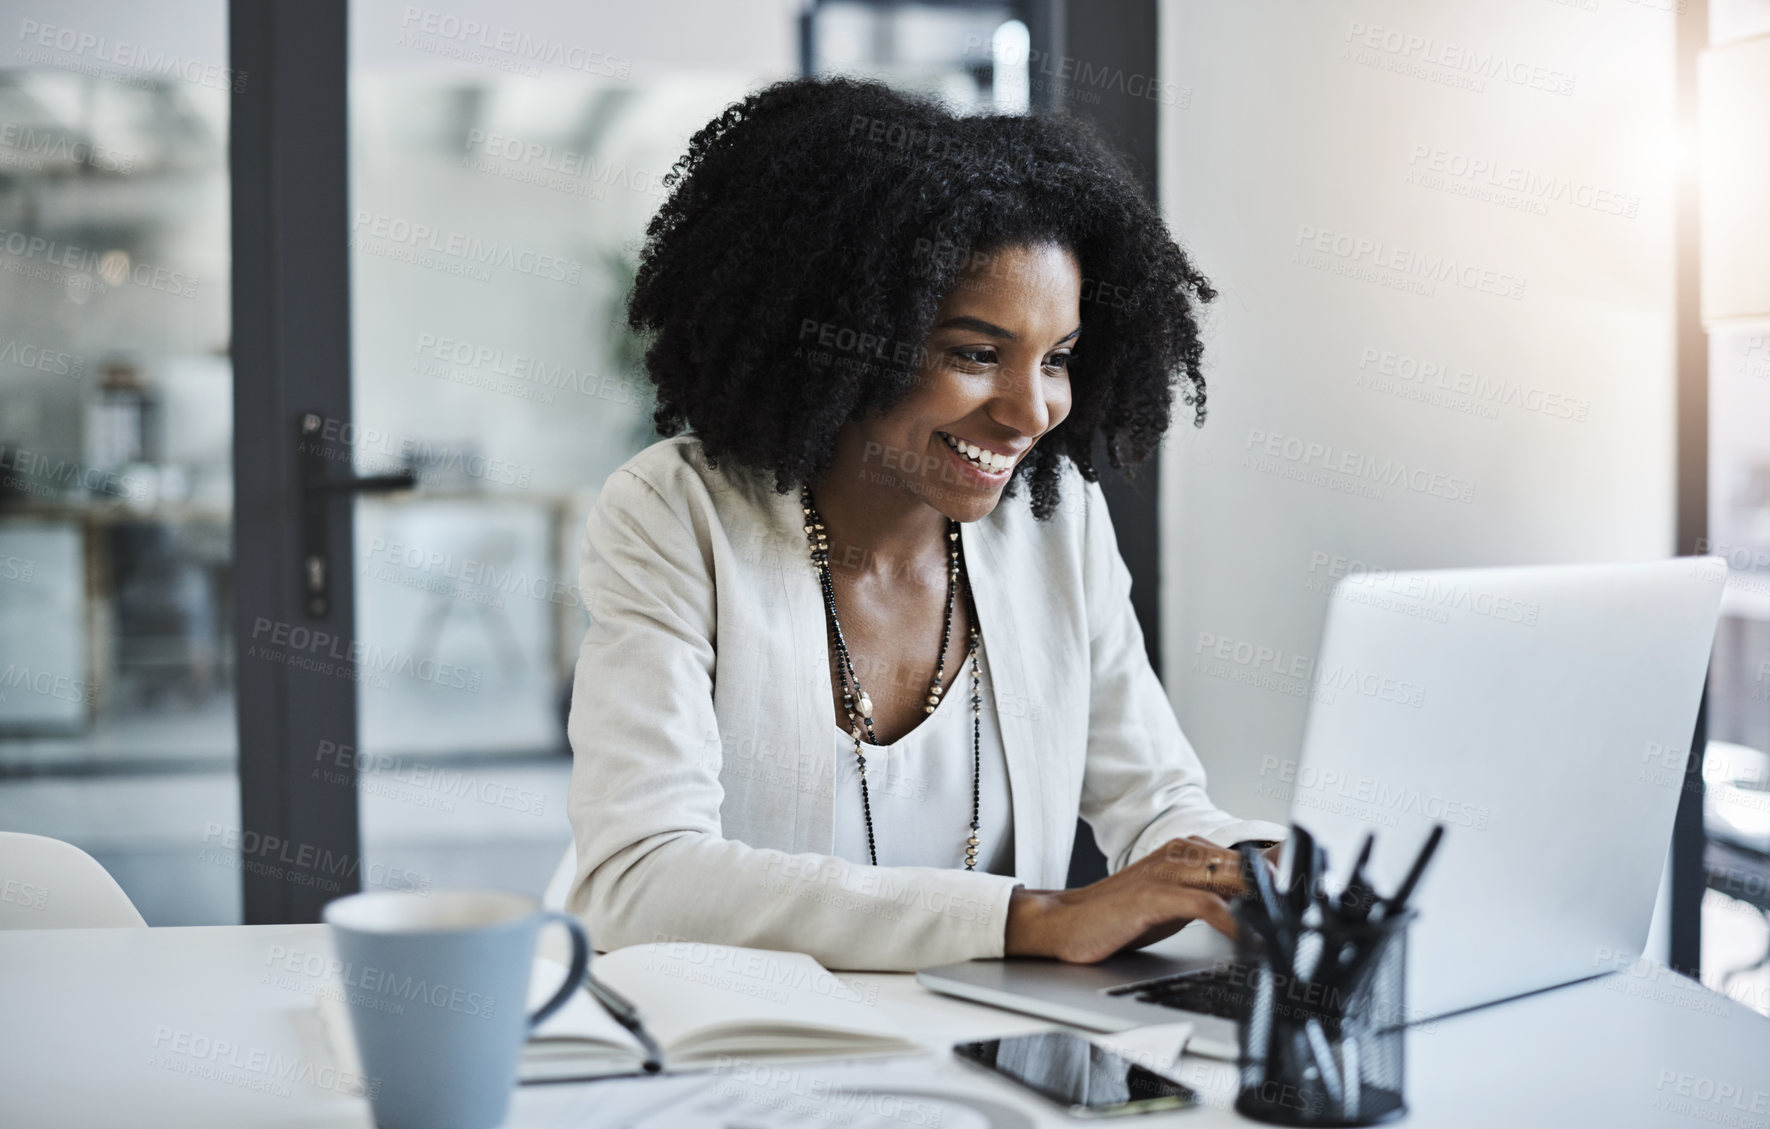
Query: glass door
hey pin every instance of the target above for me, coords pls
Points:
(1736, 768)
(504, 161)
(117, 675)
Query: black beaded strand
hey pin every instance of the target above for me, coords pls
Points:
(854, 698)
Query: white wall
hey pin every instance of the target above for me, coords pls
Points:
(1546, 431)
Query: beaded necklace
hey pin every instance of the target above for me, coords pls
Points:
(856, 703)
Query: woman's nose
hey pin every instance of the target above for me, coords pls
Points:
(1020, 402)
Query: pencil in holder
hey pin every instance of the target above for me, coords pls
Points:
(1322, 1036)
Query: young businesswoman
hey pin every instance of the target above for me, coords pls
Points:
(861, 643)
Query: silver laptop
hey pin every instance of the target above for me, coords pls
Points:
(1543, 714)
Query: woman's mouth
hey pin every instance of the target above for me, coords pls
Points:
(990, 463)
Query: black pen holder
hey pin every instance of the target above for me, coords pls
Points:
(1315, 1053)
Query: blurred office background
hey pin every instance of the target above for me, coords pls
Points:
(512, 393)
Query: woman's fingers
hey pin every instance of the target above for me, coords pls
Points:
(1197, 862)
(1206, 906)
(1136, 906)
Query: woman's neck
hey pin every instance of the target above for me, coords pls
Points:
(875, 524)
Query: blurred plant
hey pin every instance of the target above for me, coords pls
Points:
(625, 352)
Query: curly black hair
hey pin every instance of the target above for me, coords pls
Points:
(842, 211)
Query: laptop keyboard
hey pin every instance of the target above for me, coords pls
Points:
(1219, 991)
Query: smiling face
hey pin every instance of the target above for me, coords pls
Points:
(995, 380)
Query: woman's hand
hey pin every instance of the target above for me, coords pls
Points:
(1179, 882)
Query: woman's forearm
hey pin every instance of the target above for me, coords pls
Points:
(700, 887)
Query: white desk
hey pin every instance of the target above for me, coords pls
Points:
(91, 1021)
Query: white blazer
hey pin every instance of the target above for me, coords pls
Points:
(702, 792)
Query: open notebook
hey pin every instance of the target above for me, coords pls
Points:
(702, 1003)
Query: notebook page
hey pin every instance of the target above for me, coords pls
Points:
(684, 988)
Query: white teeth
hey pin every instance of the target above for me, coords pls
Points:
(988, 460)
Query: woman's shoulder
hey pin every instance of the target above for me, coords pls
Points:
(675, 473)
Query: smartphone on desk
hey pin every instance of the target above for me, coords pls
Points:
(1087, 1080)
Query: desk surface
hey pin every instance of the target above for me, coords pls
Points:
(94, 1019)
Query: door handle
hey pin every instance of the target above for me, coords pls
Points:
(318, 488)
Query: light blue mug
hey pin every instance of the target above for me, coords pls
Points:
(436, 986)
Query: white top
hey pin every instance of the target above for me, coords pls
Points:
(919, 787)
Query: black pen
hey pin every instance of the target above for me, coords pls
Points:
(1357, 898)
(1399, 902)
(1258, 881)
(1351, 977)
(627, 1016)
(1302, 877)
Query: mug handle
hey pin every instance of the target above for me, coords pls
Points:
(574, 977)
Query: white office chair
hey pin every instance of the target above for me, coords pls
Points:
(48, 884)
(561, 883)
(552, 944)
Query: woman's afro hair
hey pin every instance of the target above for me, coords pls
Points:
(810, 232)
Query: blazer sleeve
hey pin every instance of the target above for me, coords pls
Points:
(1143, 783)
(645, 796)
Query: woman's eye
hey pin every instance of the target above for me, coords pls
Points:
(1058, 360)
(976, 356)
